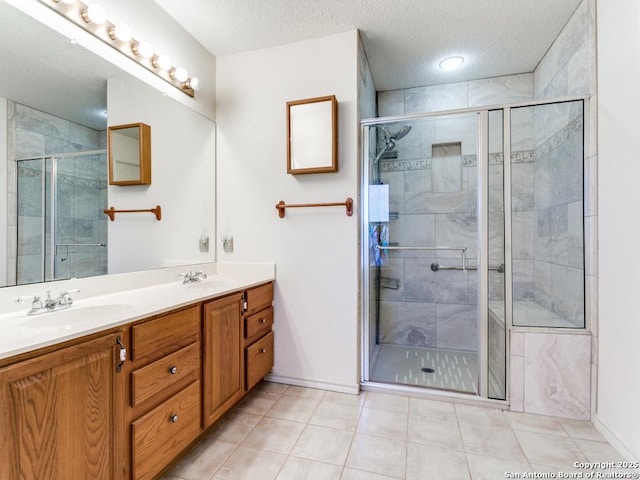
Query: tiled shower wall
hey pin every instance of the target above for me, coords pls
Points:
(82, 183)
(438, 207)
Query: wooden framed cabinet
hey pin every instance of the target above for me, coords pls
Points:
(165, 390)
(258, 335)
(222, 356)
(62, 412)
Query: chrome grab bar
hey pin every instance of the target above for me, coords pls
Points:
(461, 249)
(435, 267)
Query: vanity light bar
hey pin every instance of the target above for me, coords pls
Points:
(93, 19)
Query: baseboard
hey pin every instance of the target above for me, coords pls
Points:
(613, 439)
(310, 383)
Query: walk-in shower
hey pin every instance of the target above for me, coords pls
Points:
(459, 245)
(62, 232)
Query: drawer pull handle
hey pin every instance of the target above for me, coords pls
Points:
(263, 320)
(173, 418)
(173, 370)
(263, 350)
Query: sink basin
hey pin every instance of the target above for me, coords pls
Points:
(75, 315)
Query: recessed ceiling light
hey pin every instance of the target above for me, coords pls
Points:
(451, 63)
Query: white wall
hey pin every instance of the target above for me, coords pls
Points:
(618, 411)
(315, 250)
(183, 182)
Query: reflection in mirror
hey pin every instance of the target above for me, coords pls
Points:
(130, 154)
(54, 166)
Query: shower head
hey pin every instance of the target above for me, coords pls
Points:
(390, 138)
(402, 132)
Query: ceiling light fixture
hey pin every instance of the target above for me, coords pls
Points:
(93, 19)
(451, 63)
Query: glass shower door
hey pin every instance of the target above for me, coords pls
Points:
(423, 227)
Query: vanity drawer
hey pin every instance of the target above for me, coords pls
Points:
(165, 431)
(259, 360)
(156, 377)
(256, 325)
(162, 336)
(259, 297)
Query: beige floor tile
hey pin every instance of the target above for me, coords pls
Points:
(492, 468)
(426, 462)
(203, 459)
(598, 451)
(433, 431)
(385, 401)
(535, 423)
(336, 415)
(581, 429)
(233, 428)
(302, 469)
(251, 464)
(257, 403)
(353, 474)
(382, 456)
(431, 408)
(491, 441)
(323, 444)
(304, 392)
(345, 398)
(270, 387)
(274, 435)
(481, 415)
(543, 449)
(383, 423)
(293, 408)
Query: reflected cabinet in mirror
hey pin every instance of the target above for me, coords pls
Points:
(130, 154)
(312, 135)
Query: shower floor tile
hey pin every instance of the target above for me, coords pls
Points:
(452, 369)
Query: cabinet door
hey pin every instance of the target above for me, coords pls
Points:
(222, 374)
(62, 414)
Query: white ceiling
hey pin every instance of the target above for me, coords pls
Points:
(404, 39)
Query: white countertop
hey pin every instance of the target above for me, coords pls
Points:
(127, 298)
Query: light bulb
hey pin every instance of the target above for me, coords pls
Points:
(451, 63)
(180, 74)
(121, 32)
(162, 62)
(193, 83)
(144, 49)
(94, 13)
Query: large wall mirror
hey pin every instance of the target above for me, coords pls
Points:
(129, 150)
(54, 109)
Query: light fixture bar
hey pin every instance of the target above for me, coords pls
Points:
(120, 38)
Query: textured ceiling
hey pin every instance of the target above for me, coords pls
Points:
(404, 39)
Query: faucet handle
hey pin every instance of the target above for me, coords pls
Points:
(33, 298)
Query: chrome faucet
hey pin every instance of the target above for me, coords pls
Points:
(193, 277)
(49, 304)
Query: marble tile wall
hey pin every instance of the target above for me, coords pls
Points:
(82, 183)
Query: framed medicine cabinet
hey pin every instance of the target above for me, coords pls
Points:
(129, 148)
(312, 135)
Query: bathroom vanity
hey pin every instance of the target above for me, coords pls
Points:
(124, 400)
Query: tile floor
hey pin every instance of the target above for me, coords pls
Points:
(285, 432)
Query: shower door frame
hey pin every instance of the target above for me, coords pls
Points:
(483, 250)
(52, 192)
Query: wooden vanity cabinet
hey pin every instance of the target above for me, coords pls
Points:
(257, 336)
(164, 397)
(62, 413)
(222, 368)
